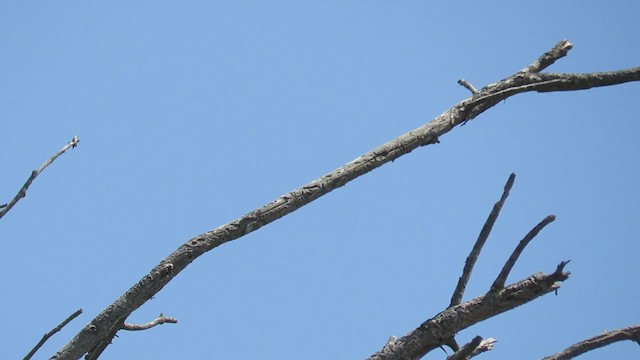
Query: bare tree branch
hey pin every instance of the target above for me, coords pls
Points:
(106, 341)
(502, 277)
(23, 191)
(46, 336)
(547, 59)
(430, 334)
(152, 283)
(161, 319)
(482, 238)
(465, 352)
(525, 82)
(473, 348)
(464, 83)
(609, 337)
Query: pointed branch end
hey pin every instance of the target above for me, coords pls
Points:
(510, 181)
(547, 59)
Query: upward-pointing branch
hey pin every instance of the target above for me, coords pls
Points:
(456, 298)
(105, 322)
(23, 190)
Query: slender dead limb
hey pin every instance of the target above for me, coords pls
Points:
(608, 337)
(465, 352)
(482, 238)
(502, 277)
(161, 319)
(158, 277)
(23, 191)
(430, 334)
(46, 336)
(547, 59)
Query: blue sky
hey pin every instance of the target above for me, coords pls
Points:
(191, 114)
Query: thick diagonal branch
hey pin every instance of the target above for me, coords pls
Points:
(152, 283)
(430, 334)
(629, 333)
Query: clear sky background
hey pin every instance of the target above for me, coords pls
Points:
(191, 114)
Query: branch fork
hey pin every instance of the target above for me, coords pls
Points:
(441, 329)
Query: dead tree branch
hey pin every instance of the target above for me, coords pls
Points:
(161, 319)
(441, 329)
(465, 352)
(504, 273)
(23, 191)
(609, 337)
(431, 333)
(474, 347)
(102, 345)
(547, 59)
(467, 85)
(46, 336)
(482, 238)
(99, 328)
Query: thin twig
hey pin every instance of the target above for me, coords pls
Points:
(23, 191)
(46, 336)
(608, 337)
(161, 319)
(482, 238)
(502, 277)
(467, 85)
